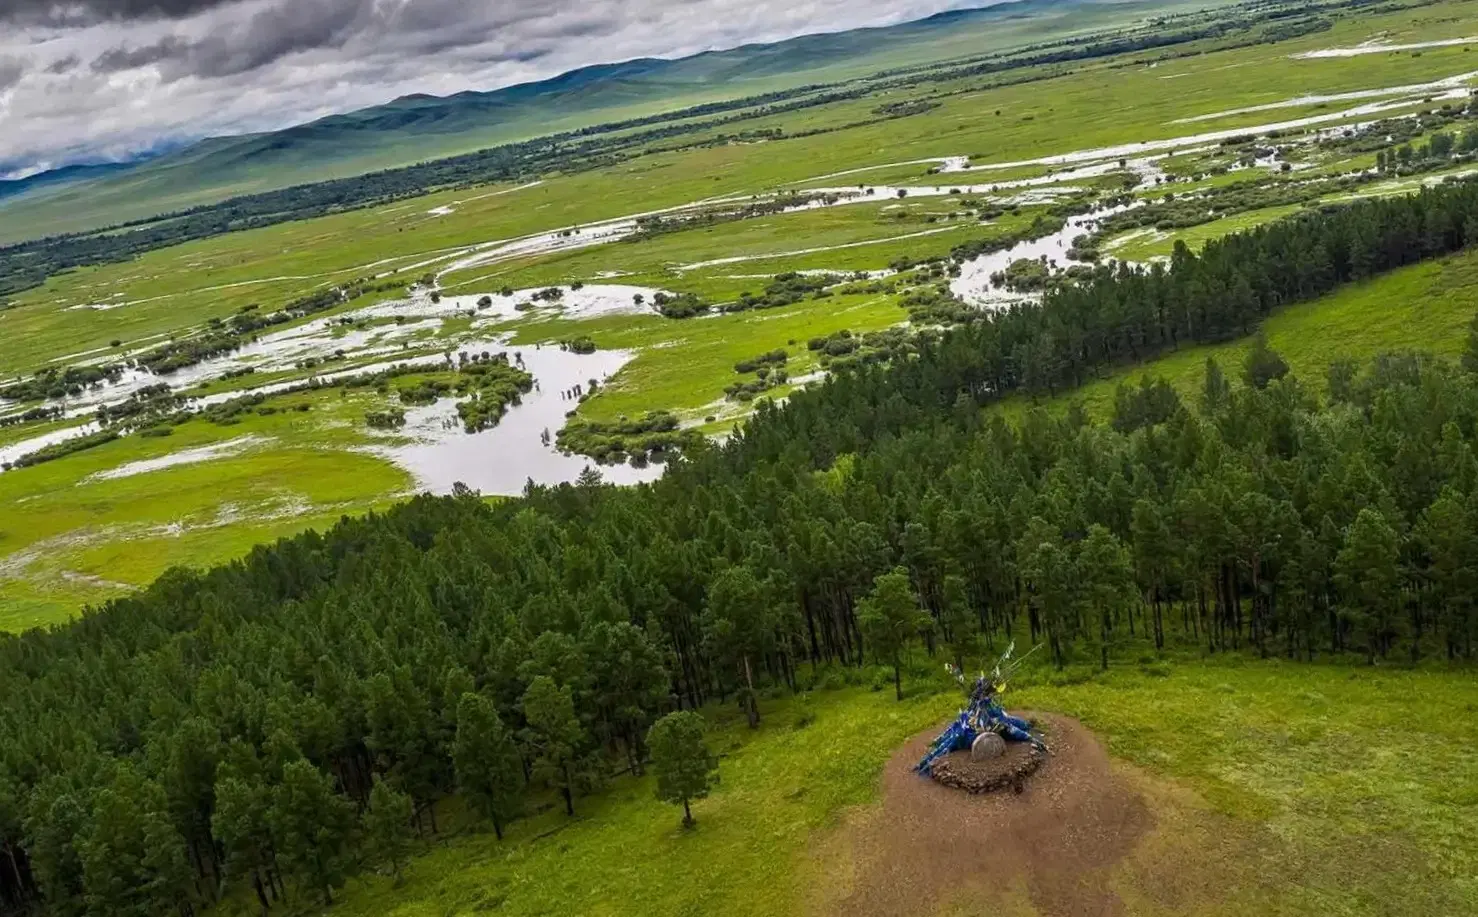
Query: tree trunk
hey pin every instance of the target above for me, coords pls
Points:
(687, 814)
(897, 678)
(15, 871)
(256, 882)
(751, 706)
(1103, 637)
(569, 796)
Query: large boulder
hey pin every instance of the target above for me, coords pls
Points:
(987, 746)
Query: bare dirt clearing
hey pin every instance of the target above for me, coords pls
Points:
(1054, 842)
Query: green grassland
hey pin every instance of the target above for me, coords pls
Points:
(1425, 307)
(1148, 244)
(1273, 790)
(1092, 107)
(68, 537)
(71, 536)
(719, 262)
(686, 366)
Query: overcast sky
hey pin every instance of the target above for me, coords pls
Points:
(90, 80)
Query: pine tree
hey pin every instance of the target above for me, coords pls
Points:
(387, 825)
(55, 827)
(1470, 348)
(133, 858)
(629, 682)
(890, 617)
(310, 828)
(956, 617)
(241, 824)
(1367, 573)
(738, 627)
(489, 770)
(1263, 365)
(1108, 580)
(1448, 537)
(554, 738)
(686, 768)
(1052, 575)
(1216, 391)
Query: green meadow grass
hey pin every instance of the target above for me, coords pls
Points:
(1275, 789)
(1425, 307)
(685, 365)
(1147, 244)
(1094, 106)
(70, 537)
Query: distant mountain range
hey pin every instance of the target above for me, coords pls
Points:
(420, 127)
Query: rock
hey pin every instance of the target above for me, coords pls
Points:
(987, 745)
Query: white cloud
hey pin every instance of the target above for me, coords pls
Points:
(108, 80)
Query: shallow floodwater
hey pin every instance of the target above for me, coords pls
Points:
(504, 459)
(1452, 87)
(1378, 47)
(589, 301)
(228, 449)
(974, 283)
(26, 446)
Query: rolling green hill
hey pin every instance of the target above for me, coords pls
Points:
(417, 128)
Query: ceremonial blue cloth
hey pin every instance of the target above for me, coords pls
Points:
(985, 714)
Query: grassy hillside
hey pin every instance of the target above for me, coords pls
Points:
(1426, 307)
(1273, 790)
(418, 128)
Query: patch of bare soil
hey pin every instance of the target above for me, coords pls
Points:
(929, 845)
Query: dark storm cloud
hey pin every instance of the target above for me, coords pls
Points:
(115, 59)
(89, 11)
(83, 80)
(11, 71)
(269, 35)
(278, 30)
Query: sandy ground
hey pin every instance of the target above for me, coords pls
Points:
(929, 847)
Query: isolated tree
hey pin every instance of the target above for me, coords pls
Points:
(553, 737)
(1470, 349)
(310, 827)
(1263, 364)
(387, 825)
(889, 618)
(489, 769)
(1216, 391)
(686, 769)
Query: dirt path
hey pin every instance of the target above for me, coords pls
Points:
(930, 846)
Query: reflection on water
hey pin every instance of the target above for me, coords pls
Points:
(433, 445)
(502, 460)
(974, 284)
